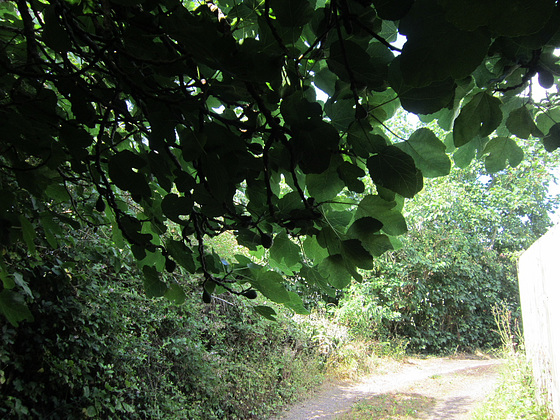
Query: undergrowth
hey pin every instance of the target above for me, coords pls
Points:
(99, 348)
(349, 352)
(517, 396)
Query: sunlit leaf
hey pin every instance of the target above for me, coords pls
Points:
(296, 304)
(271, 285)
(175, 294)
(313, 250)
(377, 208)
(521, 124)
(479, 117)
(465, 154)
(313, 276)
(266, 311)
(324, 186)
(283, 250)
(428, 153)
(501, 150)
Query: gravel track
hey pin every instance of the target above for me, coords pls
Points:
(455, 386)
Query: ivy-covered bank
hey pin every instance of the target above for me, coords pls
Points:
(99, 348)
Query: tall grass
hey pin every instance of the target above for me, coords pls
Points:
(517, 395)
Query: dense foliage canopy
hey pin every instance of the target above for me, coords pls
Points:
(176, 121)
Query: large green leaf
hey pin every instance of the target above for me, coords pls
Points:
(338, 220)
(392, 10)
(377, 208)
(324, 186)
(545, 120)
(76, 139)
(28, 233)
(13, 306)
(430, 54)
(480, 117)
(354, 252)
(299, 112)
(341, 113)
(364, 227)
(465, 154)
(314, 147)
(313, 276)
(271, 285)
(512, 18)
(54, 34)
(181, 253)
(366, 230)
(377, 245)
(336, 272)
(175, 294)
(552, 139)
(314, 251)
(425, 99)
(520, 123)
(363, 142)
(285, 251)
(266, 311)
(329, 238)
(296, 304)
(428, 153)
(123, 170)
(153, 286)
(394, 169)
(350, 174)
(501, 150)
(351, 63)
(517, 17)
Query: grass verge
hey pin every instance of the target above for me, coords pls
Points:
(516, 396)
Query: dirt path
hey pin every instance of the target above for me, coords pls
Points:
(442, 388)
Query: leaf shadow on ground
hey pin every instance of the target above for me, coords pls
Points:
(392, 405)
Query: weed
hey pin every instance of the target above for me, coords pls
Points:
(515, 397)
(507, 328)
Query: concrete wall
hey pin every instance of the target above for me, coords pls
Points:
(539, 284)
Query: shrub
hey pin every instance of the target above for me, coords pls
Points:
(98, 347)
